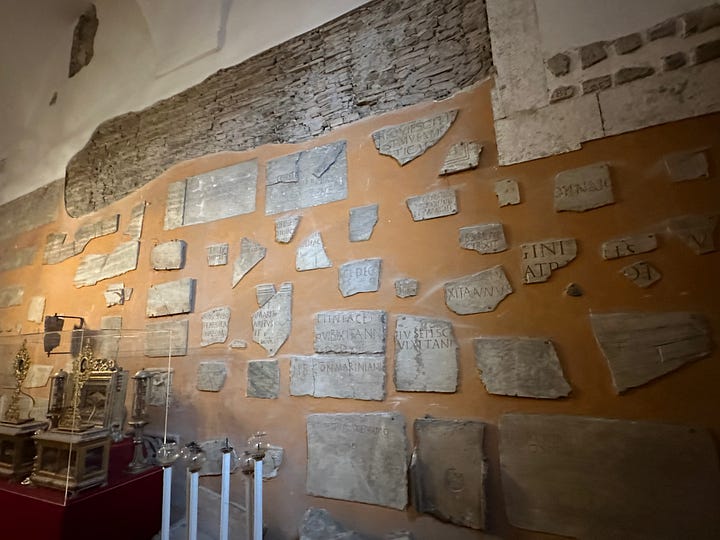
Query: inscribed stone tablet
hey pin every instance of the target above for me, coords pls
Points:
(16, 258)
(11, 296)
(406, 287)
(442, 202)
(477, 293)
(175, 205)
(304, 179)
(338, 376)
(630, 245)
(358, 457)
(583, 189)
(539, 259)
(642, 273)
(486, 238)
(640, 347)
(171, 298)
(94, 268)
(36, 309)
(285, 228)
(214, 457)
(359, 276)
(507, 191)
(272, 322)
(211, 376)
(461, 157)
(520, 366)
(425, 355)
(697, 232)
(135, 223)
(217, 254)
(407, 141)
(264, 292)
(311, 254)
(251, 253)
(168, 255)
(161, 380)
(238, 344)
(449, 469)
(588, 477)
(360, 331)
(166, 338)
(215, 325)
(263, 379)
(687, 166)
(362, 222)
(37, 376)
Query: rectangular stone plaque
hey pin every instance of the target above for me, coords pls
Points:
(507, 191)
(477, 293)
(540, 259)
(166, 338)
(36, 309)
(215, 324)
(263, 379)
(411, 139)
(583, 189)
(629, 245)
(485, 238)
(11, 296)
(461, 157)
(338, 376)
(135, 223)
(272, 322)
(175, 205)
(684, 166)
(435, 204)
(217, 254)
(94, 268)
(360, 331)
(305, 179)
(168, 255)
(406, 287)
(362, 222)
(359, 276)
(358, 457)
(586, 477)
(171, 298)
(211, 376)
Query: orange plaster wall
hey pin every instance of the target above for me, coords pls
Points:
(429, 252)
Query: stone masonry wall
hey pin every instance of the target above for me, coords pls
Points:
(383, 56)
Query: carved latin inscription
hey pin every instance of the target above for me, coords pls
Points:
(311, 254)
(359, 276)
(630, 245)
(285, 228)
(272, 322)
(215, 325)
(477, 293)
(642, 273)
(431, 205)
(698, 232)
(338, 376)
(359, 331)
(583, 189)
(486, 238)
(407, 141)
(539, 259)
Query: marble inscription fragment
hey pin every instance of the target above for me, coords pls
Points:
(697, 232)
(308, 178)
(406, 287)
(477, 293)
(548, 461)
(630, 245)
(362, 222)
(426, 355)
(271, 323)
(640, 347)
(37, 376)
(263, 379)
(166, 338)
(11, 296)
(264, 292)
(485, 238)
(117, 294)
(10, 259)
(445, 482)
(358, 331)
(251, 253)
(358, 457)
(507, 191)
(520, 366)
(94, 268)
(285, 228)
(211, 376)
(540, 259)
(175, 205)
(461, 157)
(36, 309)
(642, 273)
(583, 189)
(171, 298)
(215, 324)
(214, 457)
(135, 224)
(435, 204)
(406, 141)
(684, 166)
(217, 254)
(359, 276)
(169, 255)
(338, 376)
(58, 250)
(311, 254)
(238, 344)
(161, 386)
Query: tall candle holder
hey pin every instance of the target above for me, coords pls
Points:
(166, 456)
(21, 366)
(71, 419)
(195, 457)
(141, 380)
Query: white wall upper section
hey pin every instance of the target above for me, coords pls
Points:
(141, 56)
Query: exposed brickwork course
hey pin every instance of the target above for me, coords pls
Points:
(385, 55)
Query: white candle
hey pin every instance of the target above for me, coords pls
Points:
(193, 506)
(257, 503)
(167, 484)
(225, 496)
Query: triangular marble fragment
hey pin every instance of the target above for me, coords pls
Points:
(461, 157)
(697, 232)
(251, 253)
(311, 254)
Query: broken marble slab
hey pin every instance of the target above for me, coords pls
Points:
(305, 179)
(642, 273)
(94, 268)
(629, 245)
(640, 347)
(357, 331)
(251, 253)
(406, 287)
(507, 191)
(263, 379)
(217, 254)
(37, 376)
(238, 344)
(435, 204)
(485, 238)
(264, 292)
(426, 355)
(520, 366)
(36, 309)
(111, 322)
(362, 275)
(135, 223)
(318, 524)
(274, 456)
(406, 141)
(462, 156)
(213, 449)
(117, 294)
(540, 259)
(168, 255)
(338, 376)
(175, 205)
(11, 296)
(682, 166)
(477, 293)
(362, 222)
(311, 254)
(57, 249)
(582, 189)
(285, 228)
(697, 232)
(166, 338)
(171, 298)
(211, 376)
(10, 259)
(272, 322)
(161, 386)
(361, 457)
(448, 470)
(585, 477)
(215, 324)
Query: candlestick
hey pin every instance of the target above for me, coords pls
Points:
(225, 490)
